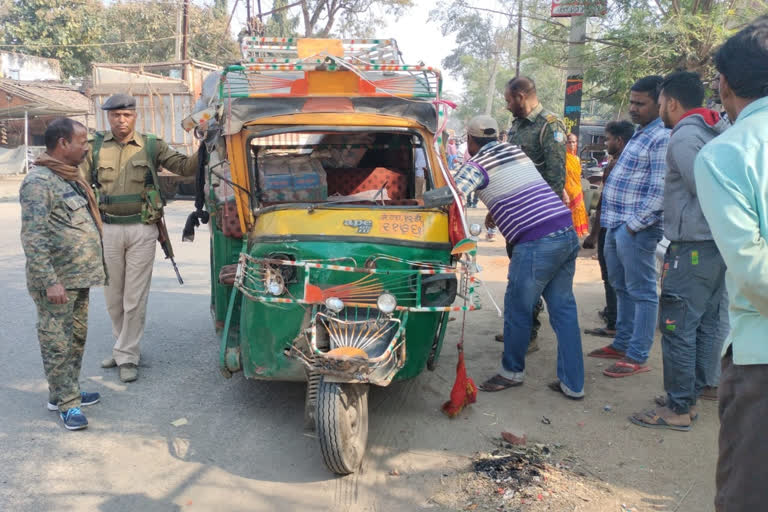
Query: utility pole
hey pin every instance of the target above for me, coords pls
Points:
(185, 38)
(248, 17)
(575, 79)
(492, 84)
(179, 18)
(519, 36)
(26, 141)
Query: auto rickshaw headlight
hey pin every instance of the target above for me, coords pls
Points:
(275, 286)
(475, 229)
(334, 304)
(387, 303)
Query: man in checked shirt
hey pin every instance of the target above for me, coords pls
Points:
(632, 209)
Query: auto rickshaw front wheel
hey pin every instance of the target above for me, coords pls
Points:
(341, 421)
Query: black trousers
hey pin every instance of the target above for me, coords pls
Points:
(610, 293)
(742, 471)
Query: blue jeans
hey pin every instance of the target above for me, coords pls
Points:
(712, 378)
(544, 267)
(691, 331)
(632, 271)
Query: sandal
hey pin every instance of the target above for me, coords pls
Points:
(499, 383)
(625, 368)
(607, 352)
(651, 419)
(661, 401)
(555, 386)
(602, 332)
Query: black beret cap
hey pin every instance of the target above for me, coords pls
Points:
(119, 102)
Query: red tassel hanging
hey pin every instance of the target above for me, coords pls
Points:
(464, 391)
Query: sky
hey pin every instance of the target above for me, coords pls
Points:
(417, 38)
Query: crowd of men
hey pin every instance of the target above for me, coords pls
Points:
(686, 173)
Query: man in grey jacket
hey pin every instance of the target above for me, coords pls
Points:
(693, 282)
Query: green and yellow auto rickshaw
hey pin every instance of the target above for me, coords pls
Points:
(329, 262)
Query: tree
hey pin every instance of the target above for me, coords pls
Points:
(281, 23)
(321, 18)
(145, 32)
(79, 32)
(647, 37)
(67, 30)
(485, 57)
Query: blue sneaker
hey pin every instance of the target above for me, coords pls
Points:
(85, 400)
(74, 419)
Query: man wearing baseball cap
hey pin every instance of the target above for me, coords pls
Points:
(542, 245)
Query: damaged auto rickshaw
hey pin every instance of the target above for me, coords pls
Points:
(328, 264)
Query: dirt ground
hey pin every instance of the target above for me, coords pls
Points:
(627, 467)
(244, 447)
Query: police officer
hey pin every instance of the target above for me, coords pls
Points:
(61, 237)
(122, 167)
(541, 136)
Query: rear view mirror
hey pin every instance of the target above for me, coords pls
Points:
(442, 196)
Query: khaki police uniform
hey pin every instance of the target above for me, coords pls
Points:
(63, 246)
(541, 135)
(123, 172)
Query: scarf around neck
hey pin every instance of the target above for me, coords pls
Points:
(72, 173)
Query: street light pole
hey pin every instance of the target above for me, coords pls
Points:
(575, 79)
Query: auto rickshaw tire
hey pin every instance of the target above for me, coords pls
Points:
(341, 421)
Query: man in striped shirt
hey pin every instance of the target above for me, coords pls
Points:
(538, 227)
(633, 202)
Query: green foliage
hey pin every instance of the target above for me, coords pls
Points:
(634, 39)
(640, 38)
(281, 23)
(348, 18)
(482, 45)
(209, 39)
(44, 27)
(79, 32)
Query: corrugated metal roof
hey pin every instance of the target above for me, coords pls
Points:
(44, 99)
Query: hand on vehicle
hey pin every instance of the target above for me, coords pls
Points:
(489, 224)
(57, 294)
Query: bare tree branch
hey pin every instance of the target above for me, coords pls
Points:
(563, 41)
(696, 6)
(305, 14)
(333, 8)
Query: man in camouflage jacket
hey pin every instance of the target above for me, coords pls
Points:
(61, 237)
(539, 133)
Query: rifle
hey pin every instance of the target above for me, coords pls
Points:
(165, 243)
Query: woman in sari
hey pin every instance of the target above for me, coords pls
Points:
(574, 195)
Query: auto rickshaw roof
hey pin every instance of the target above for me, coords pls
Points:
(243, 111)
(283, 76)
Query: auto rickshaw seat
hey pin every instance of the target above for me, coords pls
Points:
(346, 182)
(228, 220)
